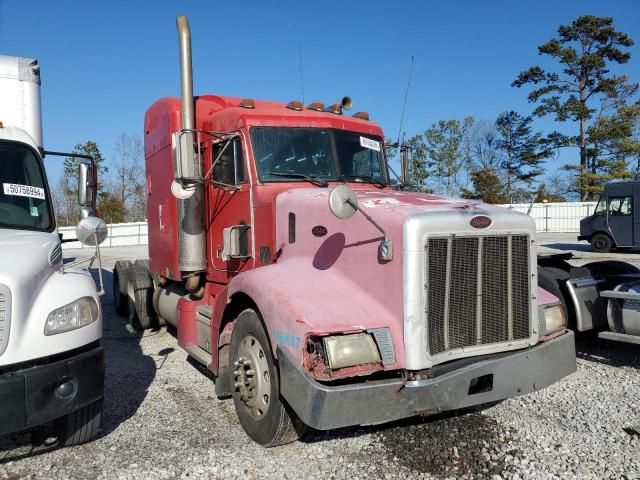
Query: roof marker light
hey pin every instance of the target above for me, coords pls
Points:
(317, 106)
(295, 105)
(247, 103)
(335, 108)
(361, 116)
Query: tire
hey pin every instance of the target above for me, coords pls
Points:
(268, 421)
(120, 287)
(611, 267)
(139, 293)
(79, 426)
(156, 320)
(601, 243)
(554, 281)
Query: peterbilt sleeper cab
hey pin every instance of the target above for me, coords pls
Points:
(317, 294)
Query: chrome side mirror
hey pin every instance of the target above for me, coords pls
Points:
(87, 188)
(235, 242)
(343, 203)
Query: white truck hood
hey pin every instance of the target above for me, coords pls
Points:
(24, 256)
(34, 287)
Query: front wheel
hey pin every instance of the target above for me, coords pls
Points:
(120, 287)
(139, 293)
(601, 243)
(79, 426)
(256, 388)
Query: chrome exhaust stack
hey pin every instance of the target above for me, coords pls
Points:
(188, 170)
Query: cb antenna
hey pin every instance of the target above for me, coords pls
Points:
(300, 58)
(404, 103)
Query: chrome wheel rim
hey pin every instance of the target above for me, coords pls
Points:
(252, 380)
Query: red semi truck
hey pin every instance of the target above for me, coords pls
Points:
(314, 291)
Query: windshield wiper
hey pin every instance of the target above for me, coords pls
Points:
(348, 176)
(308, 178)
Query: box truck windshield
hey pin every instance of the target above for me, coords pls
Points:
(24, 199)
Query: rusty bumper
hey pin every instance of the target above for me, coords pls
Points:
(325, 407)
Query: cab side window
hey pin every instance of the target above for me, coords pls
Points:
(619, 206)
(601, 207)
(229, 169)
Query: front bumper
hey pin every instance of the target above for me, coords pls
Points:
(28, 397)
(584, 237)
(324, 407)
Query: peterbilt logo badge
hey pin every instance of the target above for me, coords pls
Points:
(480, 221)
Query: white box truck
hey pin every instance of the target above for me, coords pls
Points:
(51, 361)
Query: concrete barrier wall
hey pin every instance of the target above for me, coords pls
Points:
(556, 217)
(549, 217)
(119, 234)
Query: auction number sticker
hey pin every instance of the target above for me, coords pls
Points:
(23, 190)
(368, 143)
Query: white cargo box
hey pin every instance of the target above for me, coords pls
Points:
(20, 95)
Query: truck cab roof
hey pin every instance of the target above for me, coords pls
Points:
(15, 134)
(225, 114)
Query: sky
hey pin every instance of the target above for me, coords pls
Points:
(104, 63)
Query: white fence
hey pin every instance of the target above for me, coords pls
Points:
(556, 217)
(119, 234)
(549, 217)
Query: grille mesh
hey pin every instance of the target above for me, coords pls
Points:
(477, 291)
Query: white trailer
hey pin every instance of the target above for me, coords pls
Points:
(51, 361)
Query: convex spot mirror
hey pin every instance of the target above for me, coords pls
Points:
(341, 202)
(91, 231)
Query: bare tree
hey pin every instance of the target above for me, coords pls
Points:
(129, 182)
(65, 200)
(484, 145)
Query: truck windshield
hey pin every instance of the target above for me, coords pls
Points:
(323, 154)
(24, 199)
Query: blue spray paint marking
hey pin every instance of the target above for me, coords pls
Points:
(284, 338)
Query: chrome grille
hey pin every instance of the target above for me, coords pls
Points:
(5, 314)
(477, 291)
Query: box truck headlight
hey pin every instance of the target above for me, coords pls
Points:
(74, 315)
(350, 350)
(552, 319)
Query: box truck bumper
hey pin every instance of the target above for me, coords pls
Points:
(487, 380)
(38, 394)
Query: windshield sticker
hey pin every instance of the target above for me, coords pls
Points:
(23, 190)
(34, 211)
(371, 144)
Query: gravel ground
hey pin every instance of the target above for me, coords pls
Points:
(162, 420)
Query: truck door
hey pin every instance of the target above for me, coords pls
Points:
(229, 207)
(620, 218)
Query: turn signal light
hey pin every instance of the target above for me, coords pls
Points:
(295, 105)
(361, 115)
(317, 106)
(247, 103)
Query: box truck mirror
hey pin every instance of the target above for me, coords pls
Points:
(87, 185)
